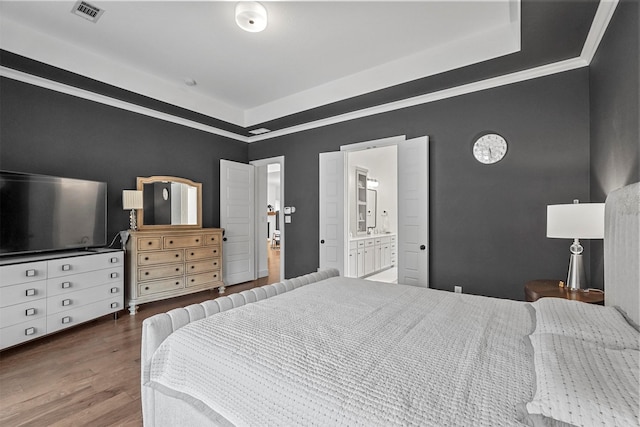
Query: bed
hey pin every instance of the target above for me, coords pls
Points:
(321, 349)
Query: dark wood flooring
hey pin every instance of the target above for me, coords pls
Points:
(88, 375)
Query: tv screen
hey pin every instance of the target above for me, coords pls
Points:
(41, 213)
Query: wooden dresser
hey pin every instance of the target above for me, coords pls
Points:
(164, 264)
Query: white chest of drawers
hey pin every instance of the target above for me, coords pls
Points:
(43, 294)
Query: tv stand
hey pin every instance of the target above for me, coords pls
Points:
(44, 293)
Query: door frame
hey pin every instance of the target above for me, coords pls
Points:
(260, 212)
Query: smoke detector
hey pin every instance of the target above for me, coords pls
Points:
(87, 11)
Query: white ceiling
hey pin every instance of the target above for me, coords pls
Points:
(311, 54)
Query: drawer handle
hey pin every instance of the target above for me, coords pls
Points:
(30, 292)
(66, 285)
(30, 273)
(215, 251)
(215, 275)
(177, 283)
(30, 312)
(149, 243)
(146, 273)
(177, 268)
(66, 319)
(114, 290)
(66, 267)
(66, 302)
(114, 260)
(171, 242)
(114, 305)
(114, 275)
(146, 288)
(178, 255)
(197, 240)
(193, 280)
(193, 266)
(30, 331)
(215, 263)
(192, 254)
(146, 258)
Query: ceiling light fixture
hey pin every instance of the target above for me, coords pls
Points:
(251, 16)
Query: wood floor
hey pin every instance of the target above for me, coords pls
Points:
(88, 375)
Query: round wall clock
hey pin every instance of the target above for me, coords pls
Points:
(489, 148)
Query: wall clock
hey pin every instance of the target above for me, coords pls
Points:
(489, 148)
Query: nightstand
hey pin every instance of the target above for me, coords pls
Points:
(537, 289)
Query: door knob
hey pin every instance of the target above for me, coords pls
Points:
(224, 239)
(322, 241)
(423, 247)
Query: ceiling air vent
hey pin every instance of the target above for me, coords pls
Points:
(259, 131)
(87, 11)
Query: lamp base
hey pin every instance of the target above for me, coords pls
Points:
(132, 220)
(576, 279)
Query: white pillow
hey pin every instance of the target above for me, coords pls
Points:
(599, 324)
(584, 384)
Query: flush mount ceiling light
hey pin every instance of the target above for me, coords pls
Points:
(251, 16)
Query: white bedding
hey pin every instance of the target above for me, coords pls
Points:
(351, 352)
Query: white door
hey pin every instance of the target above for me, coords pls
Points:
(237, 219)
(413, 212)
(332, 211)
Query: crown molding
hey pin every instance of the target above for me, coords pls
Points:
(92, 96)
(605, 11)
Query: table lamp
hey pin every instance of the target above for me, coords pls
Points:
(576, 221)
(132, 199)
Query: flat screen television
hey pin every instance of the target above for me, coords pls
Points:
(40, 213)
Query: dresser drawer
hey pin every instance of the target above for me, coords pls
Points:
(67, 284)
(73, 317)
(213, 239)
(202, 278)
(158, 286)
(202, 266)
(83, 297)
(23, 273)
(24, 292)
(150, 258)
(200, 253)
(24, 312)
(149, 244)
(22, 332)
(152, 273)
(171, 242)
(83, 264)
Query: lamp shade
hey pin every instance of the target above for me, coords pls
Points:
(576, 221)
(131, 199)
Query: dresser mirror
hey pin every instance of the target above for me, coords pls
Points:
(169, 202)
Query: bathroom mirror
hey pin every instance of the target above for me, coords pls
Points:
(169, 202)
(372, 206)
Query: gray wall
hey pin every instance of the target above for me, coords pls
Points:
(56, 134)
(615, 128)
(487, 223)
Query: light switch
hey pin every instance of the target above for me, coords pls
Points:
(287, 219)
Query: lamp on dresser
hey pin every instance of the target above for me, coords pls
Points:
(576, 221)
(132, 200)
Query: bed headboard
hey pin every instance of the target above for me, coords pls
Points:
(622, 250)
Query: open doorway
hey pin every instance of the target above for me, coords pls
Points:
(270, 235)
(373, 213)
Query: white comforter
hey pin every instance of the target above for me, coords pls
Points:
(353, 352)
